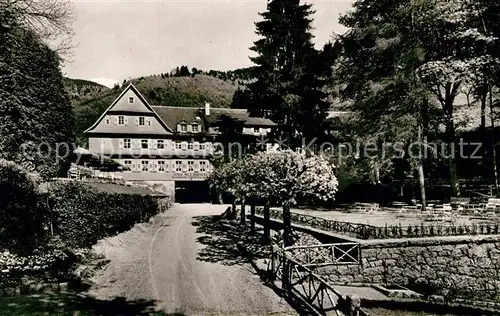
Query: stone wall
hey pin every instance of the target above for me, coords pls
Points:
(450, 266)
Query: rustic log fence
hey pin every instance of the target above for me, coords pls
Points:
(364, 231)
(299, 281)
(326, 254)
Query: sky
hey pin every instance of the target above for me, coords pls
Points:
(116, 40)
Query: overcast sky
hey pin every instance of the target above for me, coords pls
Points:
(116, 39)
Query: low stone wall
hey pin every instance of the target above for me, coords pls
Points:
(467, 266)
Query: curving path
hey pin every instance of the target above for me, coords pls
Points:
(180, 261)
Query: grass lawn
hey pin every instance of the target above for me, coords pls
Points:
(73, 305)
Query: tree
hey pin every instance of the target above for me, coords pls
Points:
(184, 72)
(404, 67)
(241, 98)
(284, 176)
(36, 119)
(288, 71)
(49, 20)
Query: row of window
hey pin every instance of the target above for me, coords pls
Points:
(142, 121)
(123, 120)
(194, 128)
(160, 144)
(162, 165)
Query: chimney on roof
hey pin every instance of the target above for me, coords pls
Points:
(207, 109)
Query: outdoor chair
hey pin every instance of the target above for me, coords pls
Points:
(373, 208)
(411, 208)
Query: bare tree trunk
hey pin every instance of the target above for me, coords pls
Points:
(420, 169)
(267, 228)
(493, 149)
(233, 208)
(450, 139)
(484, 137)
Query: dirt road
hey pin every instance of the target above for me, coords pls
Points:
(186, 265)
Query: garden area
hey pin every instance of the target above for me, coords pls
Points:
(48, 228)
(294, 179)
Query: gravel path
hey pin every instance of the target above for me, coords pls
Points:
(166, 261)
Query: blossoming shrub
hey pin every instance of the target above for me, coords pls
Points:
(38, 262)
(21, 211)
(280, 175)
(81, 214)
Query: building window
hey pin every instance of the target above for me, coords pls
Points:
(190, 146)
(144, 143)
(203, 166)
(183, 127)
(161, 165)
(202, 146)
(160, 144)
(131, 100)
(145, 165)
(178, 145)
(126, 143)
(178, 165)
(142, 120)
(121, 120)
(128, 164)
(256, 130)
(108, 120)
(190, 165)
(195, 128)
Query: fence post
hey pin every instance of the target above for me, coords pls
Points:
(267, 228)
(252, 215)
(285, 279)
(287, 225)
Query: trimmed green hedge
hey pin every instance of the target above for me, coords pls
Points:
(81, 215)
(21, 210)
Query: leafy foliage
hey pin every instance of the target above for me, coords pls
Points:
(403, 64)
(22, 215)
(285, 176)
(82, 215)
(35, 114)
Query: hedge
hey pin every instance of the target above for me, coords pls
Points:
(81, 215)
(21, 210)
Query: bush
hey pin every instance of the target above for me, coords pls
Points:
(81, 215)
(22, 212)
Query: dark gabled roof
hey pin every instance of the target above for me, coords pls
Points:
(240, 115)
(172, 115)
(168, 129)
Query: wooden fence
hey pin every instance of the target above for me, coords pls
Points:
(298, 281)
(325, 254)
(364, 231)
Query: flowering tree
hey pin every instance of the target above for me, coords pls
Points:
(286, 176)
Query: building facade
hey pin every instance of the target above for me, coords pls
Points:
(170, 145)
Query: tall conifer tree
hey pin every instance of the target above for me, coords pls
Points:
(289, 70)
